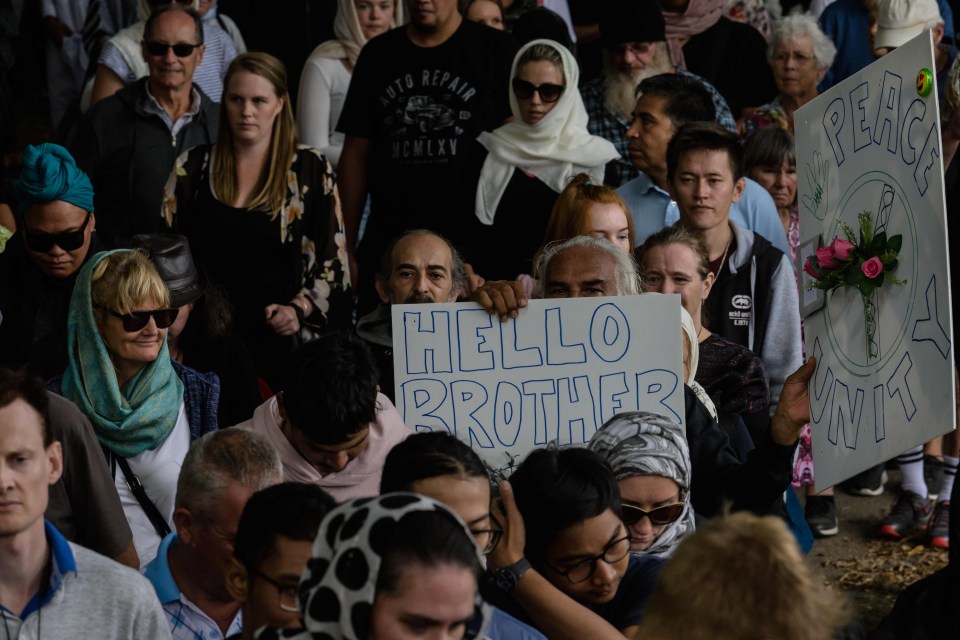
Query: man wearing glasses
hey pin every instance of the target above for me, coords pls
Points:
(634, 48)
(128, 143)
(273, 544)
(219, 474)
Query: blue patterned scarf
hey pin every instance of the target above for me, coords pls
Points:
(130, 420)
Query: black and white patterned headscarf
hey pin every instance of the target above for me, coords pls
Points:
(640, 443)
(338, 584)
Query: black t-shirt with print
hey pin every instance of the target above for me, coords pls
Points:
(423, 107)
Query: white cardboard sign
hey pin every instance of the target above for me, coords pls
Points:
(872, 143)
(556, 373)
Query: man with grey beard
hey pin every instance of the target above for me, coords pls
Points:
(633, 36)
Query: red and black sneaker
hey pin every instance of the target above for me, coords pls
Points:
(938, 535)
(910, 514)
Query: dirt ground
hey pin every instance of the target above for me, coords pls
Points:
(869, 571)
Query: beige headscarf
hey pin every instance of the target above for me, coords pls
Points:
(699, 16)
(349, 36)
(693, 361)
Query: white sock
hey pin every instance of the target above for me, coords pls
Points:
(911, 469)
(949, 473)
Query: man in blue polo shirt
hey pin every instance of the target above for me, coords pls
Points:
(219, 474)
(664, 104)
(51, 588)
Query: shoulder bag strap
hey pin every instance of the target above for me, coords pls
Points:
(136, 488)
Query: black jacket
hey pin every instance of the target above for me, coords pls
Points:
(757, 485)
(129, 153)
(33, 307)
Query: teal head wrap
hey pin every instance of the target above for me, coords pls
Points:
(130, 420)
(50, 173)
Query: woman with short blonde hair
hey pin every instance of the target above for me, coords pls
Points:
(144, 408)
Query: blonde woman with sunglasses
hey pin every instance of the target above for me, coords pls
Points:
(144, 408)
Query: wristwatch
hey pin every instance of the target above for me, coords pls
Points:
(506, 578)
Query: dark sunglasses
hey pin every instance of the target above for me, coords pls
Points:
(661, 515)
(181, 50)
(548, 92)
(68, 241)
(137, 320)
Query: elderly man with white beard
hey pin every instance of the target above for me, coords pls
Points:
(633, 35)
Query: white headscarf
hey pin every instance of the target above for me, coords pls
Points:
(690, 332)
(349, 35)
(554, 149)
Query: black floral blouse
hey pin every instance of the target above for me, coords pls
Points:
(264, 257)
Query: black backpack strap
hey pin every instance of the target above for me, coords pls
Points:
(136, 488)
(768, 259)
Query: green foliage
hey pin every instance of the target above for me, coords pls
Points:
(849, 272)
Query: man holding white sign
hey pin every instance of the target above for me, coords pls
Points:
(587, 267)
(419, 267)
(898, 23)
(876, 268)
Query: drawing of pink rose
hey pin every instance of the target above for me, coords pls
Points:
(826, 258)
(842, 248)
(872, 267)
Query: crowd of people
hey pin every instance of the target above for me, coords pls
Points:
(198, 436)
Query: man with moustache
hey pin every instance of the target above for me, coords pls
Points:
(419, 95)
(418, 267)
(664, 104)
(633, 35)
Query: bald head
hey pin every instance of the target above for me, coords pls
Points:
(420, 267)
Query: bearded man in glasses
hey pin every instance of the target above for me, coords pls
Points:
(128, 143)
(634, 49)
(54, 239)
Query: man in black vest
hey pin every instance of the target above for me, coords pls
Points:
(128, 143)
(754, 299)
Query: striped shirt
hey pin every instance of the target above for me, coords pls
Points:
(217, 56)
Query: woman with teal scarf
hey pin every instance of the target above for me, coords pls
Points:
(145, 409)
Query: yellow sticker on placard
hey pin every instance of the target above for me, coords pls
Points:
(924, 82)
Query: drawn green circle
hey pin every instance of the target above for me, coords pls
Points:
(856, 368)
